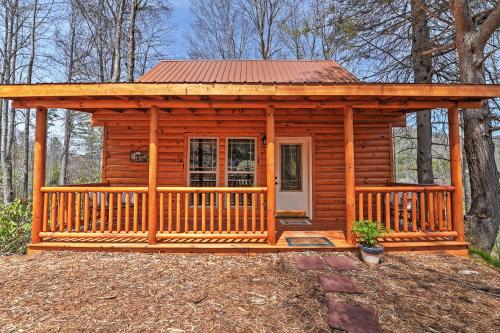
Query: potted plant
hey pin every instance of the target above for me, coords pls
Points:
(368, 233)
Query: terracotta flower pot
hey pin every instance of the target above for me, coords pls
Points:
(371, 255)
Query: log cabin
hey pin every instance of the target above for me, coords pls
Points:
(246, 157)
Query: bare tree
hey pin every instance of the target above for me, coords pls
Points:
(12, 27)
(265, 17)
(71, 54)
(219, 30)
(472, 33)
(27, 121)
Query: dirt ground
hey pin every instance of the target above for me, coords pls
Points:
(103, 292)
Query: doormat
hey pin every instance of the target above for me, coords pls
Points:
(294, 221)
(308, 241)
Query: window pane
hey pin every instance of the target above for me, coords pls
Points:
(241, 155)
(202, 179)
(203, 155)
(240, 179)
(291, 167)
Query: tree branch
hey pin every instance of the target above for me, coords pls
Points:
(461, 13)
(489, 26)
(440, 50)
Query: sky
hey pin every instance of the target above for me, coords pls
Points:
(181, 20)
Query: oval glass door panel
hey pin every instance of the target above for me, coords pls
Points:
(291, 167)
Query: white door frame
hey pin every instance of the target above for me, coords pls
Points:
(307, 142)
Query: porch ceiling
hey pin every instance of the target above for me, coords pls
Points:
(141, 96)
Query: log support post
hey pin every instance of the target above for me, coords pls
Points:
(271, 185)
(350, 194)
(457, 205)
(154, 115)
(39, 173)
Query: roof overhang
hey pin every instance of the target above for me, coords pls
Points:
(118, 96)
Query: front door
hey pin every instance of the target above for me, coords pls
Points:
(293, 177)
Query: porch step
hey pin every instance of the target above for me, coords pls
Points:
(451, 247)
(291, 214)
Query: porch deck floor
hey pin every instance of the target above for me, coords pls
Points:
(241, 246)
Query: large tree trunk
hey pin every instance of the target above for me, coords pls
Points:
(422, 69)
(483, 218)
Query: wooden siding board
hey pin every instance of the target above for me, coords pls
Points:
(371, 137)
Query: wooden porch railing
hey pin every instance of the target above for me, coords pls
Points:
(409, 211)
(212, 212)
(96, 211)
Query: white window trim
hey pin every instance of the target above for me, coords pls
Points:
(227, 172)
(189, 172)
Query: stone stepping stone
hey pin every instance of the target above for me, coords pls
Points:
(341, 263)
(305, 263)
(332, 282)
(353, 318)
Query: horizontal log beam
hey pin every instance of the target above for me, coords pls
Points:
(405, 188)
(433, 234)
(146, 104)
(207, 235)
(83, 189)
(212, 189)
(483, 91)
(99, 235)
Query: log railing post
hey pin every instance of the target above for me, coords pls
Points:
(456, 173)
(271, 185)
(350, 194)
(39, 173)
(154, 115)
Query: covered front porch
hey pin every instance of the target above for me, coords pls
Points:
(160, 218)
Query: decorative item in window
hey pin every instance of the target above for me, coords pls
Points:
(139, 156)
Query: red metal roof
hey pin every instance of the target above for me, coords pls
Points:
(248, 71)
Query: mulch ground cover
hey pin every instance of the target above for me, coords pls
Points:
(104, 292)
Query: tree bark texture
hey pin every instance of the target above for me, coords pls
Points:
(483, 218)
(422, 70)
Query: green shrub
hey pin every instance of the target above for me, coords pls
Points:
(15, 227)
(368, 233)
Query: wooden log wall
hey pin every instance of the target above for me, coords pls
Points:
(129, 131)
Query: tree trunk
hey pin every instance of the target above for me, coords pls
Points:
(68, 118)
(68, 128)
(483, 218)
(8, 117)
(131, 42)
(29, 77)
(422, 69)
(115, 77)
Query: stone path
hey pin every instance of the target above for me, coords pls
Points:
(305, 263)
(351, 317)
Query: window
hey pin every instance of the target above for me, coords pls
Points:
(240, 165)
(240, 162)
(202, 162)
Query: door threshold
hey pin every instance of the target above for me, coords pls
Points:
(290, 214)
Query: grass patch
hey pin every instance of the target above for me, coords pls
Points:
(490, 260)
